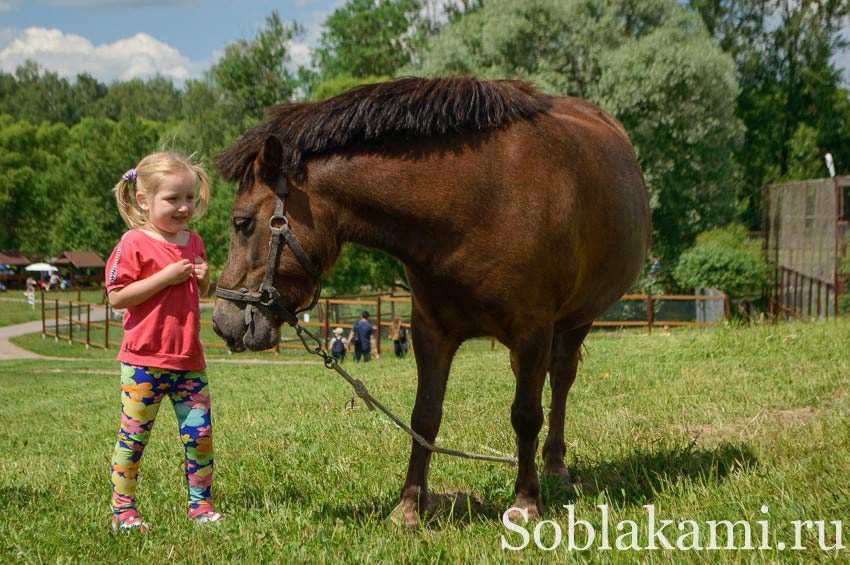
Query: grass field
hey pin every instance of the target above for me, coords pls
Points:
(14, 308)
(704, 425)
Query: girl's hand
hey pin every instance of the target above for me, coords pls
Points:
(201, 268)
(177, 272)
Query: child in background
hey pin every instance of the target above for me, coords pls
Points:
(157, 272)
(339, 345)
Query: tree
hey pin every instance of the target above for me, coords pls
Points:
(154, 99)
(27, 155)
(254, 73)
(343, 83)
(678, 105)
(725, 259)
(37, 96)
(651, 63)
(783, 51)
(371, 37)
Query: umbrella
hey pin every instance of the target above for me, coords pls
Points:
(41, 267)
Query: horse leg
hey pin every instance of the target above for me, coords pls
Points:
(529, 362)
(562, 372)
(434, 352)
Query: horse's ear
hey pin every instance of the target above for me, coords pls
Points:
(270, 159)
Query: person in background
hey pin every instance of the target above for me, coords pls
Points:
(339, 345)
(362, 336)
(398, 334)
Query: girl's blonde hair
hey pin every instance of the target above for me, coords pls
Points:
(146, 178)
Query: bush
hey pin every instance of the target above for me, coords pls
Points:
(725, 259)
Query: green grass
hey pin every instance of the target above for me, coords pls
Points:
(15, 310)
(705, 425)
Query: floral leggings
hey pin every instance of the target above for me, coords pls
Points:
(142, 391)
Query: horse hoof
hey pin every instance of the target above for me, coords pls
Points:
(557, 470)
(405, 515)
(530, 505)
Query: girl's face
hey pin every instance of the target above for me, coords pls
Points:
(171, 207)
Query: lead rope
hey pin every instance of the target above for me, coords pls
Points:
(371, 403)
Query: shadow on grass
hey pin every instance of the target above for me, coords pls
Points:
(16, 498)
(635, 480)
(630, 481)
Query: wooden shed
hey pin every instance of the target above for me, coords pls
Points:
(84, 267)
(12, 273)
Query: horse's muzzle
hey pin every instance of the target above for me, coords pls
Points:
(248, 327)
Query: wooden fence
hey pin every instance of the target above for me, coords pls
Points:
(73, 320)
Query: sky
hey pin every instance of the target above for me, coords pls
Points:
(122, 39)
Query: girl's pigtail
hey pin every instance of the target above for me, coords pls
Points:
(203, 197)
(125, 198)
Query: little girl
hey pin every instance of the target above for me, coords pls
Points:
(157, 272)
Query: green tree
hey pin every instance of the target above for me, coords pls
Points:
(783, 53)
(343, 83)
(371, 37)
(154, 99)
(254, 74)
(99, 151)
(651, 63)
(360, 269)
(27, 199)
(674, 92)
(37, 96)
(724, 258)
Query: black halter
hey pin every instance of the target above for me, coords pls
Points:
(267, 294)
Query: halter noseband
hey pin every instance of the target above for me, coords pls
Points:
(267, 295)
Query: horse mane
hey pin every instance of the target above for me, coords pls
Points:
(410, 107)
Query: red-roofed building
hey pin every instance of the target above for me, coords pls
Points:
(84, 267)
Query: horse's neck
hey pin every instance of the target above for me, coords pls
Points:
(382, 219)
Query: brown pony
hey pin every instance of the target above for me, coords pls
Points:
(516, 215)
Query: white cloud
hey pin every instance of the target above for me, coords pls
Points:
(138, 56)
(300, 54)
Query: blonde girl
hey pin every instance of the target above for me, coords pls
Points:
(157, 273)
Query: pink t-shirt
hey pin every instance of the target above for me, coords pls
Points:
(164, 330)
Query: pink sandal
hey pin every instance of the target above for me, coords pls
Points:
(128, 520)
(204, 514)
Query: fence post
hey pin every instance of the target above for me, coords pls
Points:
(70, 322)
(56, 319)
(726, 306)
(327, 322)
(88, 325)
(43, 317)
(378, 341)
(649, 313)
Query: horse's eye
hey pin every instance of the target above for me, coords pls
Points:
(242, 224)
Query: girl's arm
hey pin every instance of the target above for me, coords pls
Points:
(138, 291)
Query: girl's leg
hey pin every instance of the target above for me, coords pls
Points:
(191, 399)
(141, 395)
